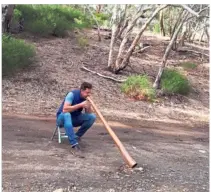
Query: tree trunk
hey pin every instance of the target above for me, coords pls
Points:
(123, 28)
(7, 14)
(98, 8)
(125, 40)
(176, 24)
(207, 33)
(168, 49)
(201, 36)
(115, 31)
(125, 58)
(98, 26)
(162, 30)
(191, 37)
(183, 37)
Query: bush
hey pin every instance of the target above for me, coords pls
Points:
(40, 27)
(188, 65)
(139, 87)
(17, 15)
(156, 28)
(174, 82)
(82, 41)
(51, 19)
(15, 54)
(101, 17)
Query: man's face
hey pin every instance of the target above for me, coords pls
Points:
(85, 93)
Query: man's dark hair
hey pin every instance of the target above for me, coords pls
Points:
(86, 85)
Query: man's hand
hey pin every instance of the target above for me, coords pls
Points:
(86, 105)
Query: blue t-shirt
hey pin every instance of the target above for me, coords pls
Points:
(69, 98)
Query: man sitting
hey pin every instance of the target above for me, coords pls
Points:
(70, 114)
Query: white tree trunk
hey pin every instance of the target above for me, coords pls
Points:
(115, 30)
(125, 59)
(122, 47)
(168, 49)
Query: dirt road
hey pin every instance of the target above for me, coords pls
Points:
(170, 158)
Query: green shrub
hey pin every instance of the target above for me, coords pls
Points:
(16, 54)
(156, 28)
(101, 18)
(174, 82)
(188, 65)
(17, 15)
(82, 41)
(139, 87)
(40, 27)
(51, 19)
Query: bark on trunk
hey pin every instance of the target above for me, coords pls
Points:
(201, 36)
(176, 24)
(183, 37)
(168, 49)
(123, 28)
(207, 33)
(98, 9)
(162, 30)
(125, 59)
(7, 14)
(115, 30)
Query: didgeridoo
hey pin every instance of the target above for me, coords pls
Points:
(128, 159)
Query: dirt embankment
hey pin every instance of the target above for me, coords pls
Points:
(40, 90)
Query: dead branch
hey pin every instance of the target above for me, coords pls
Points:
(197, 46)
(141, 50)
(104, 76)
(198, 53)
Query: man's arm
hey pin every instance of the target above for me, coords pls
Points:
(68, 107)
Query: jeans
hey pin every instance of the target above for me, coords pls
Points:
(84, 120)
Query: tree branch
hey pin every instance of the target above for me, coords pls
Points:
(203, 9)
(190, 10)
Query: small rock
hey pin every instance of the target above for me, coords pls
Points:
(139, 168)
(59, 190)
(202, 151)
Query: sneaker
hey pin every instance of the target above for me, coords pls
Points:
(76, 151)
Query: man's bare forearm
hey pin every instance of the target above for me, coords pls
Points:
(71, 108)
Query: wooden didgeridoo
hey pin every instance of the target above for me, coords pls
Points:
(129, 160)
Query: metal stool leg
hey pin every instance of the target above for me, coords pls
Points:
(54, 133)
(59, 135)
